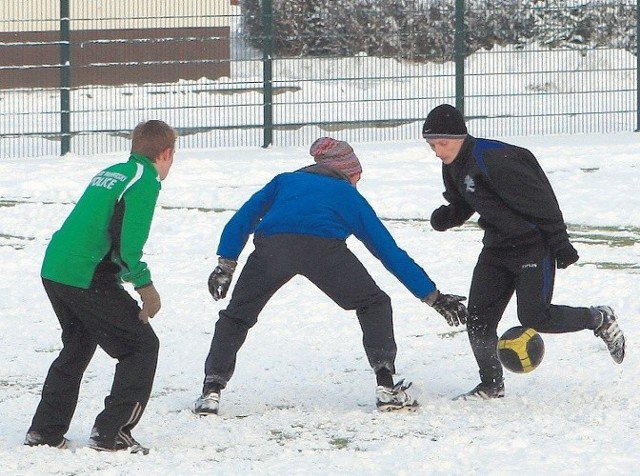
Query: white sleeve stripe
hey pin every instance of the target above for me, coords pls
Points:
(136, 177)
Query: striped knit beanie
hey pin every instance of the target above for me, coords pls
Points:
(336, 154)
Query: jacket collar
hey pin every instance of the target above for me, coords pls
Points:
(465, 151)
(324, 171)
(146, 162)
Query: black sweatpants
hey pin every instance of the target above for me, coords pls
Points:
(329, 265)
(107, 317)
(529, 272)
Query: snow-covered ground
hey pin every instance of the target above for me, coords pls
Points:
(302, 399)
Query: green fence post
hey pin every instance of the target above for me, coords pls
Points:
(65, 79)
(637, 65)
(459, 53)
(267, 84)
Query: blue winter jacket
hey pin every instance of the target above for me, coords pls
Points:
(316, 201)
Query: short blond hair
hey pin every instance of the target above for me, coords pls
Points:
(152, 137)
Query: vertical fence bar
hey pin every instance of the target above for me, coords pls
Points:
(267, 75)
(459, 54)
(65, 78)
(637, 65)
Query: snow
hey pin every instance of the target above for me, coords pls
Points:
(302, 399)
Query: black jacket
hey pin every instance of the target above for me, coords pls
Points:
(507, 187)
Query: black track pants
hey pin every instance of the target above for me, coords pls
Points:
(92, 317)
(329, 265)
(529, 272)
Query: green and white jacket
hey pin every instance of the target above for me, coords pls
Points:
(101, 241)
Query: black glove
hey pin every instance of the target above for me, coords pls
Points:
(566, 256)
(449, 306)
(440, 218)
(220, 278)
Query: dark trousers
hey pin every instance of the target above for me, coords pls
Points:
(106, 317)
(530, 273)
(329, 265)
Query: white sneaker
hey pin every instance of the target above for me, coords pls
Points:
(610, 333)
(396, 398)
(207, 404)
(484, 391)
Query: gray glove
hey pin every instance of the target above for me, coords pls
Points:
(449, 306)
(150, 302)
(220, 278)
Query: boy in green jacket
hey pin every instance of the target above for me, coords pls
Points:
(98, 247)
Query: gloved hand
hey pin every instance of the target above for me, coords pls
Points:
(440, 218)
(150, 302)
(220, 278)
(566, 256)
(449, 306)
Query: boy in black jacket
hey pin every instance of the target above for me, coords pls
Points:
(525, 240)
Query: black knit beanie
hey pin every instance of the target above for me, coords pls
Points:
(443, 122)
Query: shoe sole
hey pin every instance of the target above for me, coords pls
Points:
(617, 349)
(398, 409)
(204, 412)
(63, 445)
(618, 353)
(475, 397)
(131, 449)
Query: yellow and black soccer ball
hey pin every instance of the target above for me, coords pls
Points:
(520, 349)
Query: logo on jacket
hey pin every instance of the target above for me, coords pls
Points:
(470, 184)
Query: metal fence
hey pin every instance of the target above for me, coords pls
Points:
(77, 77)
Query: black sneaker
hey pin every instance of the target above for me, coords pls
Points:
(484, 391)
(34, 438)
(123, 441)
(610, 333)
(395, 399)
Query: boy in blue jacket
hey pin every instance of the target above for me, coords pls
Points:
(300, 221)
